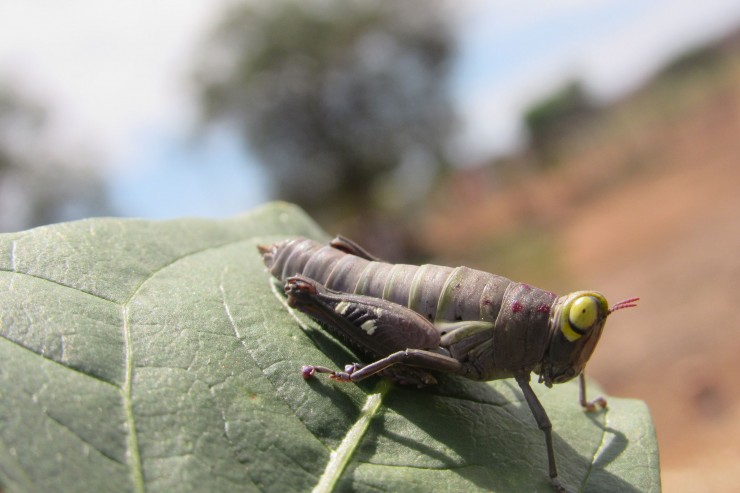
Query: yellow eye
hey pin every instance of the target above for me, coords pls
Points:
(583, 313)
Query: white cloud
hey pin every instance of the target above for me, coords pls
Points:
(108, 69)
(624, 59)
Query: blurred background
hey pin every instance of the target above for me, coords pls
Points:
(570, 144)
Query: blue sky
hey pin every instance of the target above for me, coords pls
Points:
(115, 73)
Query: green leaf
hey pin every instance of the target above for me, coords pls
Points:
(159, 356)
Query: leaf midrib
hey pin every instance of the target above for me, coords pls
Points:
(341, 457)
(135, 468)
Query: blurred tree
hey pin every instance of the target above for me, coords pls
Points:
(38, 186)
(341, 100)
(550, 120)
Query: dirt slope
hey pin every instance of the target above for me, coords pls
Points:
(645, 203)
(673, 238)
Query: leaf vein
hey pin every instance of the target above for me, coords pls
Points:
(101, 452)
(12, 255)
(137, 474)
(235, 328)
(59, 283)
(340, 458)
(71, 368)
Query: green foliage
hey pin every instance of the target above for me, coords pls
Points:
(139, 355)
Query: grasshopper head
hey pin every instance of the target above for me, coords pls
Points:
(576, 323)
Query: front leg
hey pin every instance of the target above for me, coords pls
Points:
(543, 422)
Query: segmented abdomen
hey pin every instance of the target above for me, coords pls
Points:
(437, 292)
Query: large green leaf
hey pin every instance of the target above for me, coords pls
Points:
(158, 356)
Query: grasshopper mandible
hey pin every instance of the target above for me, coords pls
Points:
(413, 319)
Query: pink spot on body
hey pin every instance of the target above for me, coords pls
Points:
(516, 307)
(543, 308)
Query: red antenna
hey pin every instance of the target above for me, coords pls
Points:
(632, 302)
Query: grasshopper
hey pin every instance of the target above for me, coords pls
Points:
(412, 320)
